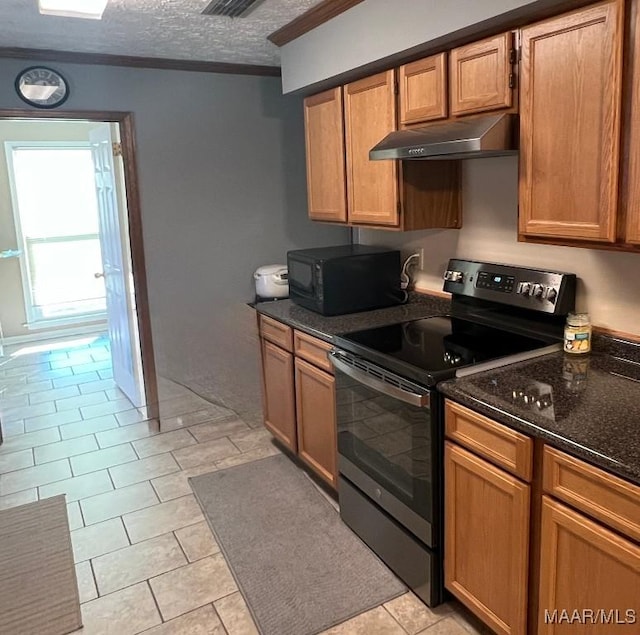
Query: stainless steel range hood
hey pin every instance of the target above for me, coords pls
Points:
(486, 136)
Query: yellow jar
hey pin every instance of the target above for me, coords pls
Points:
(577, 333)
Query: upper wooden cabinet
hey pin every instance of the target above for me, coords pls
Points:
(370, 115)
(423, 90)
(631, 187)
(633, 210)
(324, 134)
(571, 76)
(481, 77)
(400, 195)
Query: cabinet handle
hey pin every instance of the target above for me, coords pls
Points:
(381, 386)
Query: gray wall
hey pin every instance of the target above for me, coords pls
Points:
(222, 181)
(608, 288)
(375, 29)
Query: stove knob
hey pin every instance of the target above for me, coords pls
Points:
(524, 288)
(537, 291)
(453, 276)
(551, 295)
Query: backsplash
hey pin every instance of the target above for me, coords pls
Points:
(607, 288)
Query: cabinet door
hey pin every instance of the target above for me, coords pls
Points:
(278, 393)
(587, 568)
(480, 75)
(316, 409)
(570, 124)
(631, 195)
(423, 90)
(324, 137)
(370, 115)
(486, 540)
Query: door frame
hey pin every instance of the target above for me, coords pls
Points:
(132, 193)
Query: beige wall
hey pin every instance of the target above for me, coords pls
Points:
(609, 284)
(12, 310)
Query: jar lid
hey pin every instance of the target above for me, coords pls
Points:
(579, 319)
(267, 270)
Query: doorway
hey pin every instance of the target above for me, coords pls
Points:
(55, 213)
(78, 244)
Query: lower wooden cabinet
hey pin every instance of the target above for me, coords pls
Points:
(316, 418)
(523, 562)
(585, 569)
(299, 397)
(279, 394)
(486, 540)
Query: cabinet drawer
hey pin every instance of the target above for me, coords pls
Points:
(497, 443)
(313, 350)
(608, 498)
(276, 332)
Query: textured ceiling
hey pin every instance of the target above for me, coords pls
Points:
(172, 29)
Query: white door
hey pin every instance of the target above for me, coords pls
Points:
(121, 313)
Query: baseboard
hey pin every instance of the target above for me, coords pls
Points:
(99, 327)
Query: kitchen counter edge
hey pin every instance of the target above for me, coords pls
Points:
(325, 328)
(460, 391)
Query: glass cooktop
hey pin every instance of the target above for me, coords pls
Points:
(433, 349)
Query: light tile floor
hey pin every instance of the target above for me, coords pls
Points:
(146, 560)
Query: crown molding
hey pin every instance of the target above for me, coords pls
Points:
(105, 59)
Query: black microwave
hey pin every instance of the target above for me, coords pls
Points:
(344, 279)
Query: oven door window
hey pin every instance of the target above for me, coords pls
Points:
(389, 440)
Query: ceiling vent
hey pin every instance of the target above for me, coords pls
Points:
(231, 8)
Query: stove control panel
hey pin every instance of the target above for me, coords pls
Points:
(536, 289)
(495, 281)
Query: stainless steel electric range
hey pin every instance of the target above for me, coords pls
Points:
(390, 414)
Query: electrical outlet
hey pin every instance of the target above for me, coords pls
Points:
(421, 259)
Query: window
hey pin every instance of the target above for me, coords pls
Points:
(56, 215)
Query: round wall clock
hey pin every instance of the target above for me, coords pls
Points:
(42, 87)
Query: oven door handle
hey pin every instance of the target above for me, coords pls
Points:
(411, 398)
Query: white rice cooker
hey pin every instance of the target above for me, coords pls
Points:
(272, 281)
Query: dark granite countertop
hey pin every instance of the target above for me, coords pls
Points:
(418, 306)
(588, 406)
(594, 401)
